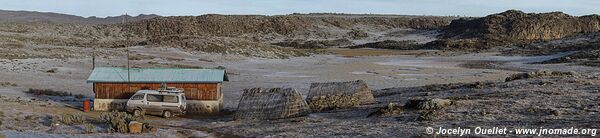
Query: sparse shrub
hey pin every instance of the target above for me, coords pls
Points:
(118, 121)
(187, 66)
(485, 113)
(52, 70)
(429, 109)
(428, 104)
(89, 128)
(358, 34)
(390, 109)
(31, 117)
(54, 120)
(205, 60)
(135, 58)
(452, 86)
(72, 119)
(48, 92)
(429, 115)
(140, 57)
(13, 45)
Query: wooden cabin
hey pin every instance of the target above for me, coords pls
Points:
(202, 87)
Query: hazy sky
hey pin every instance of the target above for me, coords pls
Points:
(103, 8)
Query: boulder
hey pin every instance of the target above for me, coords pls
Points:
(135, 127)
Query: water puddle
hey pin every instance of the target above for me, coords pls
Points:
(521, 59)
(410, 69)
(287, 75)
(416, 74)
(363, 73)
(417, 63)
(411, 79)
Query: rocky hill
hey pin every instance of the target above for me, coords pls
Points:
(289, 25)
(514, 27)
(296, 31)
(248, 35)
(48, 17)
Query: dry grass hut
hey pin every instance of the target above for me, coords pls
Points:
(334, 95)
(274, 103)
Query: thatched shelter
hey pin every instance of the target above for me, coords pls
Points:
(274, 103)
(334, 95)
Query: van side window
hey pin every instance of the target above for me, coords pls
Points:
(171, 99)
(154, 98)
(137, 97)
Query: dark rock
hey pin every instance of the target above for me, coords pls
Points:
(427, 104)
(538, 74)
(391, 44)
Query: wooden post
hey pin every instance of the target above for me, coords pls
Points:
(94, 58)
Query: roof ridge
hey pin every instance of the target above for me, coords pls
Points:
(147, 75)
(163, 68)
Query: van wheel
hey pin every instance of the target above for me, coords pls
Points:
(137, 112)
(167, 114)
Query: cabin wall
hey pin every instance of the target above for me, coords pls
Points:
(193, 91)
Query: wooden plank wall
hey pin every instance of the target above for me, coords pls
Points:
(193, 91)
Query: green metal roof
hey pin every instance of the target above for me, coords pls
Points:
(158, 75)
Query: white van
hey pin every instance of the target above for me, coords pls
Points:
(166, 103)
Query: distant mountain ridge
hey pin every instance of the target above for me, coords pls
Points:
(32, 16)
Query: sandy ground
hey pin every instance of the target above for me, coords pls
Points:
(379, 72)
(395, 69)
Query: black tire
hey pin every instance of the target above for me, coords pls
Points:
(167, 114)
(137, 112)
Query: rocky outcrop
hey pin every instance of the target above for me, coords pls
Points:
(514, 26)
(313, 44)
(584, 57)
(517, 27)
(49, 17)
(239, 34)
(291, 25)
(539, 74)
